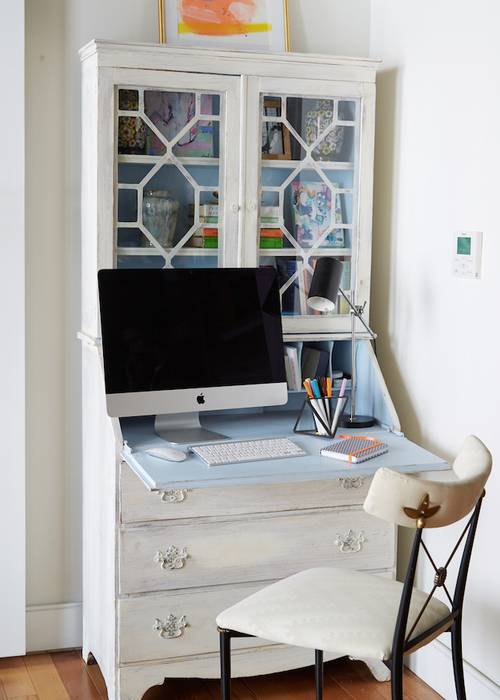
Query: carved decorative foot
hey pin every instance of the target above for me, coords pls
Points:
(88, 657)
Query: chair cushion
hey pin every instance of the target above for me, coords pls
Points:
(335, 610)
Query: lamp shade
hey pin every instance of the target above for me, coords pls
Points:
(325, 284)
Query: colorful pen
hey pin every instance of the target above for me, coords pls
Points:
(315, 388)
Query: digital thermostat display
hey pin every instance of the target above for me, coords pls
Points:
(463, 245)
(467, 254)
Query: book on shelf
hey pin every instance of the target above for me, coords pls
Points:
(268, 212)
(206, 237)
(270, 216)
(208, 213)
(271, 238)
(288, 374)
(271, 243)
(211, 243)
(292, 365)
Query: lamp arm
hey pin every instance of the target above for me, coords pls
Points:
(356, 312)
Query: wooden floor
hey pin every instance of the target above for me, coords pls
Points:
(64, 676)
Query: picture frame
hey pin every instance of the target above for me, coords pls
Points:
(252, 25)
(276, 142)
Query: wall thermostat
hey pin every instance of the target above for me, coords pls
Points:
(467, 254)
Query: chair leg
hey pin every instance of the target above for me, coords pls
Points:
(397, 677)
(225, 664)
(458, 663)
(319, 673)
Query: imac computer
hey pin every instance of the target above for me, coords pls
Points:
(177, 342)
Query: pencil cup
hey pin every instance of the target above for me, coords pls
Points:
(325, 414)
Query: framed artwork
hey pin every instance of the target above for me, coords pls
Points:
(252, 25)
(313, 213)
(275, 137)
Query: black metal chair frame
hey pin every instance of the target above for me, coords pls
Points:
(403, 642)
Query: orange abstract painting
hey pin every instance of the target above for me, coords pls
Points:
(220, 18)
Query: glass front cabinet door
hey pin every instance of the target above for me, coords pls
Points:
(176, 189)
(232, 168)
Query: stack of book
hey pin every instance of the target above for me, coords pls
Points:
(206, 237)
(271, 238)
(269, 216)
(209, 213)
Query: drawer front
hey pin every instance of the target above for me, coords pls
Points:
(171, 625)
(138, 504)
(173, 556)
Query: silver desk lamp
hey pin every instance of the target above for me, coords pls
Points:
(323, 296)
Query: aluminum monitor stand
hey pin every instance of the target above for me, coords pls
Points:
(184, 429)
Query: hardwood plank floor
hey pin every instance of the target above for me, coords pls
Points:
(64, 676)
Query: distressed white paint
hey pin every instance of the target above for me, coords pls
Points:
(241, 550)
(140, 505)
(56, 30)
(436, 173)
(12, 319)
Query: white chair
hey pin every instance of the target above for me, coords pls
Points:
(365, 616)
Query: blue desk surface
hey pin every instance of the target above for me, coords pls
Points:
(157, 474)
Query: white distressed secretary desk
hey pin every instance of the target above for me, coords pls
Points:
(233, 143)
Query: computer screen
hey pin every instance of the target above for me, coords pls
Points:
(181, 335)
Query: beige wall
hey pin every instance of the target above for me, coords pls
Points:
(56, 29)
(437, 155)
(46, 245)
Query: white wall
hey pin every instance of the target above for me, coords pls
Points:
(56, 30)
(12, 324)
(437, 155)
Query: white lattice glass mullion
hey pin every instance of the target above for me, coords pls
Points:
(289, 282)
(185, 238)
(155, 244)
(154, 129)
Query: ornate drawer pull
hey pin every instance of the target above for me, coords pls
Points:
(172, 627)
(351, 482)
(173, 496)
(173, 558)
(350, 542)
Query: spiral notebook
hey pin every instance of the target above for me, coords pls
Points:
(354, 449)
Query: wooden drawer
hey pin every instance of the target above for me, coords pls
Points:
(190, 554)
(138, 504)
(141, 637)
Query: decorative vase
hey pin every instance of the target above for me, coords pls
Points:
(159, 215)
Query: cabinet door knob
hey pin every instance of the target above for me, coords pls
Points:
(351, 482)
(173, 496)
(172, 558)
(252, 206)
(235, 208)
(350, 542)
(172, 627)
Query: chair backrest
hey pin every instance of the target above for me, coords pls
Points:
(396, 497)
(421, 503)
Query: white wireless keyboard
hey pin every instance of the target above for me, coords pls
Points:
(217, 454)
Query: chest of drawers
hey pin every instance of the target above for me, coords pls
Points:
(167, 547)
(184, 555)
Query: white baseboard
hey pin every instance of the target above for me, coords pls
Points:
(50, 627)
(433, 664)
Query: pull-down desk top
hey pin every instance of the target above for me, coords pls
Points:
(157, 474)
